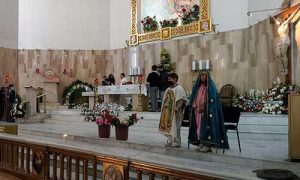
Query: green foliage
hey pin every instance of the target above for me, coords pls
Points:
(190, 16)
(149, 24)
(72, 95)
(166, 60)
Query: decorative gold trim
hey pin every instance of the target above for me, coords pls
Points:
(152, 36)
(133, 17)
(165, 33)
(133, 40)
(185, 29)
(204, 9)
(204, 25)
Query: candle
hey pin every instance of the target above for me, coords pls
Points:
(138, 70)
(135, 71)
(207, 64)
(200, 65)
(193, 66)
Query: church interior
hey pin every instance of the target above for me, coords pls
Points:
(149, 89)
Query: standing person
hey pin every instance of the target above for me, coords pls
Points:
(105, 81)
(163, 81)
(207, 124)
(111, 79)
(11, 101)
(123, 79)
(153, 79)
(171, 118)
(2, 103)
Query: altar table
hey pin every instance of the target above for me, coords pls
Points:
(117, 94)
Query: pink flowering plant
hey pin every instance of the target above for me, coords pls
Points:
(105, 118)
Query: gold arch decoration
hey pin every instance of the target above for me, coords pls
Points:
(204, 25)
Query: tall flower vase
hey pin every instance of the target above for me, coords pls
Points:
(104, 131)
(122, 133)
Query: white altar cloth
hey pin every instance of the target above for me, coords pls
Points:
(123, 89)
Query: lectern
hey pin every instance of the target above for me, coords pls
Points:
(294, 127)
(30, 97)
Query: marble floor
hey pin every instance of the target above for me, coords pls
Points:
(259, 150)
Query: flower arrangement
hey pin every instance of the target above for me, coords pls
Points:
(125, 121)
(190, 16)
(169, 23)
(166, 60)
(250, 102)
(271, 101)
(72, 95)
(105, 118)
(19, 108)
(150, 24)
(99, 109)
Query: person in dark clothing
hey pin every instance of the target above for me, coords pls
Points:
(163, 81)
(112, 80)
(153, 80)
(2, 103)
(106, 81)
(11, 101)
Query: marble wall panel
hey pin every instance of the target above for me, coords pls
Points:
(245, 58)
(8, 66)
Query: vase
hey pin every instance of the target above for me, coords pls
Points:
(121, 133)
(104, 131)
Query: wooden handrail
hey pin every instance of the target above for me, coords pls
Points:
(44, 101)
(41, 95)
(33, 160)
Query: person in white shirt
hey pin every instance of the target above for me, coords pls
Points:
(123, 79)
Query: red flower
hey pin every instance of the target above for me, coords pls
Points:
(142, 22)
(183, 10)
(148, 21)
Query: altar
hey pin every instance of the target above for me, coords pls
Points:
(121, 94)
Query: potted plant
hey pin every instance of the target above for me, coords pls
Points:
(169, 23)
(122, 125)
(104, 122)
(149, 24)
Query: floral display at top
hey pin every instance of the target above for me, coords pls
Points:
(166, 60)
(150, 24)
(169, 23)
(190, 16)
(271, 101)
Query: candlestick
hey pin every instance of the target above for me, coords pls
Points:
(207, 64)
(193, 66)
(200, 65)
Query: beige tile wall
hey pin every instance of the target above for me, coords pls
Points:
(245, 58)
(8, 66)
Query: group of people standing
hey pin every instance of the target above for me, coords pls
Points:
(158, 83)
(206, 129)
(7, 100)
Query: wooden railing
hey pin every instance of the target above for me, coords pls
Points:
(30, 160)
(43, 98)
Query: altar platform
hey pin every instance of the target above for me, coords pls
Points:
(264, 142)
